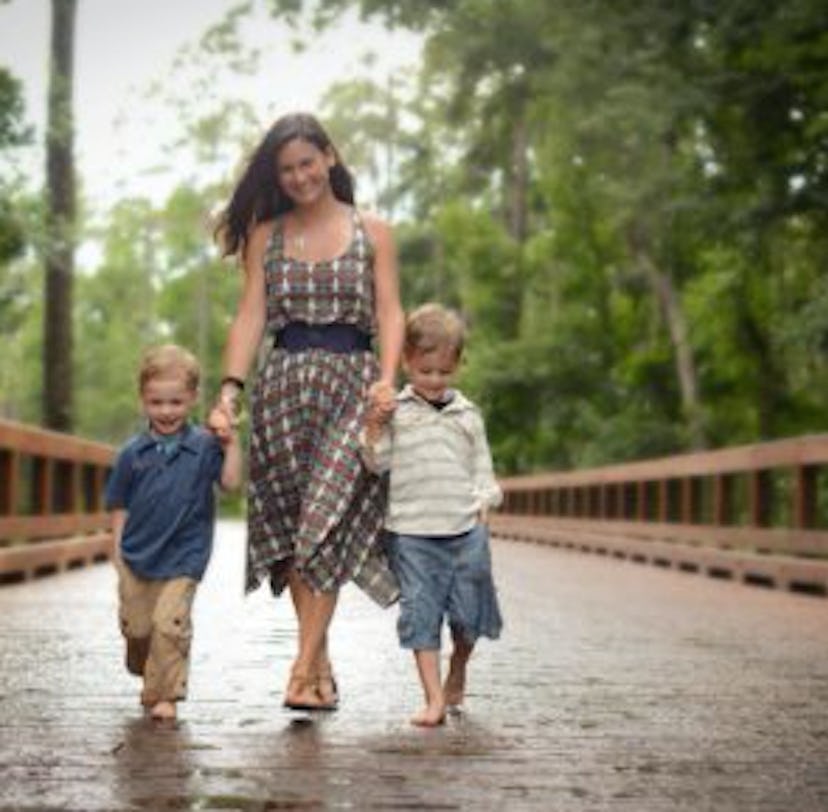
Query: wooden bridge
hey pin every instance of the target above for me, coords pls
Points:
(615, 685)
(756, 514)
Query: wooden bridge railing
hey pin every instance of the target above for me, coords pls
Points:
(754, 513)
(51, 501)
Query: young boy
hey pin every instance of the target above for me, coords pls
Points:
(161, 495)
(441, 487)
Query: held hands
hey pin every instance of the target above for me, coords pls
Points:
(382, 398)
(226, 414)
(220, 422)
(381, 404)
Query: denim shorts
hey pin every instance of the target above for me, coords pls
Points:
(444, 578)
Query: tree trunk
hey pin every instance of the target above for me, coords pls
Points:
(60, 224)
(667, 298)
(519, 177)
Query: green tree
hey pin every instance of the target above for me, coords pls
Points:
(13, 133)
(625, 200)
(116, 316)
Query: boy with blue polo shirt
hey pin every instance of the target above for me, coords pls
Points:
(161, 493)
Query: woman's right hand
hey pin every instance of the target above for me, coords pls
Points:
(221, 420)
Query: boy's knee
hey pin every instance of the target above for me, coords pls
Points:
(172, 616)
(419, 622)
(175, 626)
(134, 624)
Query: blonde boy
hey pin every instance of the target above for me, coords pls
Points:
(161, 493)
(441, 487)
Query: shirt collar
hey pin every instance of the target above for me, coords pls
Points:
(458, 402)
(186, 439)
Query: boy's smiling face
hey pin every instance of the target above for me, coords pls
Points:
(167, 402)
(430, 372)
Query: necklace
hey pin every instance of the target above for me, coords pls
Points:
(298, 240)
(298, 243)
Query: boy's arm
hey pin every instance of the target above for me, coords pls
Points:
(119, 519)
(485, 486)
(117, 497)
(375, 441)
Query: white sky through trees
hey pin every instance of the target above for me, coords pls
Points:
(123, 47)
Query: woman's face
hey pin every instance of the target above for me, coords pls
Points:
(302, 171)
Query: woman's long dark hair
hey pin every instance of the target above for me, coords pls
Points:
(258, 197)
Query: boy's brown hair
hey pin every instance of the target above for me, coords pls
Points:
(168, 360)
(432, 326)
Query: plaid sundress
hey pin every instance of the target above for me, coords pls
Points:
(312, 504)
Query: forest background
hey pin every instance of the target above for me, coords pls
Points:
(627, 200)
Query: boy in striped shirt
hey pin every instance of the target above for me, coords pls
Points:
(441, 487)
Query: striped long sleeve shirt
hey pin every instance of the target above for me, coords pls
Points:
(441, 473)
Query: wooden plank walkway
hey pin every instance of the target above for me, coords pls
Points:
(615, 686)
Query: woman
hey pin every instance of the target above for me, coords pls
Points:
(321, 283)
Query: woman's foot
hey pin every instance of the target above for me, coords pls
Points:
(163, 711)
(326, 685)
(302, 694)
(432, 715)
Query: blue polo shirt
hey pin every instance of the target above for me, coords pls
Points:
(168, 490)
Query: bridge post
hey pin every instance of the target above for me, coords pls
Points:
(760, 497)
(722, 500)
(9, 491)
(805, 496)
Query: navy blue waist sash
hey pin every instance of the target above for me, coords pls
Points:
(297, 336)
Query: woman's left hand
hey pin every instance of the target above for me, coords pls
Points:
(382, 397)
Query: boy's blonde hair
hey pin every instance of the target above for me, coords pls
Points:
(433, 327)
(168, 360)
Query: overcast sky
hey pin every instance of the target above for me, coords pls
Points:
(123, 46)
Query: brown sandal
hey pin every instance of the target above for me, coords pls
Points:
(326, 686)
(302, 686)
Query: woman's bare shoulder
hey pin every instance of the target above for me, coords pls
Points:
(377, 227)
(257, 242)
(262, 231)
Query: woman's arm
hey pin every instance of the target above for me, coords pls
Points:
(231, 469)
(389, 312)
(247, 328)
(245, 333)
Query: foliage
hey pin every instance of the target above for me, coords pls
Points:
(626, 201)
(13, 133)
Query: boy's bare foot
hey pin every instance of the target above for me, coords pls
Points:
(454, 691)
(163, 711)
(454, 688)
(431, 715)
